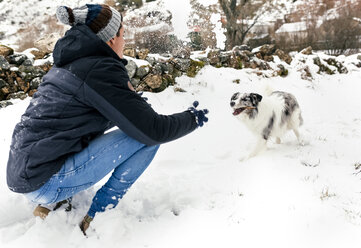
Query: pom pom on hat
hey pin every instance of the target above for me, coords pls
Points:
(103, 20)
(62, 13)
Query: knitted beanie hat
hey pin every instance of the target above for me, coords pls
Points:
(102, 19)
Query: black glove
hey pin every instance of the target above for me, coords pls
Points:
(199, 115)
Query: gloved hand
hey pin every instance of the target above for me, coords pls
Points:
(200, 115)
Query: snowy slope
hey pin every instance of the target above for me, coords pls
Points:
(15, 15)
(197, 193)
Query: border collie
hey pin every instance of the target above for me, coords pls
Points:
(269, 116)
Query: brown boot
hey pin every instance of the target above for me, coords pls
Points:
(84, 224)
(40, 211)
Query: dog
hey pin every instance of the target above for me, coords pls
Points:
(269, 116)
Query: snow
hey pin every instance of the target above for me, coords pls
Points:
(196, 192)
(219, 30)
(138, 62)
(207, 3)
(180, 13)
(295, 27)
(292, 27)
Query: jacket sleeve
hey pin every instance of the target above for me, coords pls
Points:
(106, 90)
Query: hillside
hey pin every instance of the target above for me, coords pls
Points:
(23, 22)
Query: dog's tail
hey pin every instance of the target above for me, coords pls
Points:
(267, 90)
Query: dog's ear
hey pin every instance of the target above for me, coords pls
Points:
(256, 98)
(234, 96)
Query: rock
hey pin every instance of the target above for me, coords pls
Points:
(306, 73)
(340, 67)
(47, 43)
(24, 86)
(151, 60)
(130, 52)
(182, 52)
(153, 81)
(17, 95)
(5, 90)
(213, 57)
(180, 64)
(38, 54)
(46, 66)
(6, 51)
(283, 56)
(27, 62)
(267, 50)
(2, 83)
(178, 89)
(28, 73)
(264, 66)
(259, 55)
(322, 67)
(4, 104)
(224, 58)
(283, 72)
(235, 62)
(135, 82)
(4, 64)
(131, 68)
(167, 81)
(359, 57)
(244, 56)
(307, 51)
(32, 92)
(167, 67)
(184, 64)
(142, 54)
(253, 64)
(142, 71)
(268, 58)
(34, 84)
(157, 69)
(241, 48)
(17, 59)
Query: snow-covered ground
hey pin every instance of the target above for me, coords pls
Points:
(197, 193)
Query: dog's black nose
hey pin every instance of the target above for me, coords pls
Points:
(232, 104)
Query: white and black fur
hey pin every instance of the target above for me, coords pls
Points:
(269, 116)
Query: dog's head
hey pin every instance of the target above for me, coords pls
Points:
(244, 102)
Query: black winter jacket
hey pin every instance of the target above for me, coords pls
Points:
(82, 96)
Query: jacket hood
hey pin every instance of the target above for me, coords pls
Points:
(79, 42)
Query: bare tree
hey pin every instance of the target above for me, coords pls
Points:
(241, 16)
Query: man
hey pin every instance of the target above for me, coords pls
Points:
(59, 147)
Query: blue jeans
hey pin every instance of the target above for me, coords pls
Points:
(112, 151)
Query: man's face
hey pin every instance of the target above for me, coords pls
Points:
(117, 43)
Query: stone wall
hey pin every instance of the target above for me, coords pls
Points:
(21, 74)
